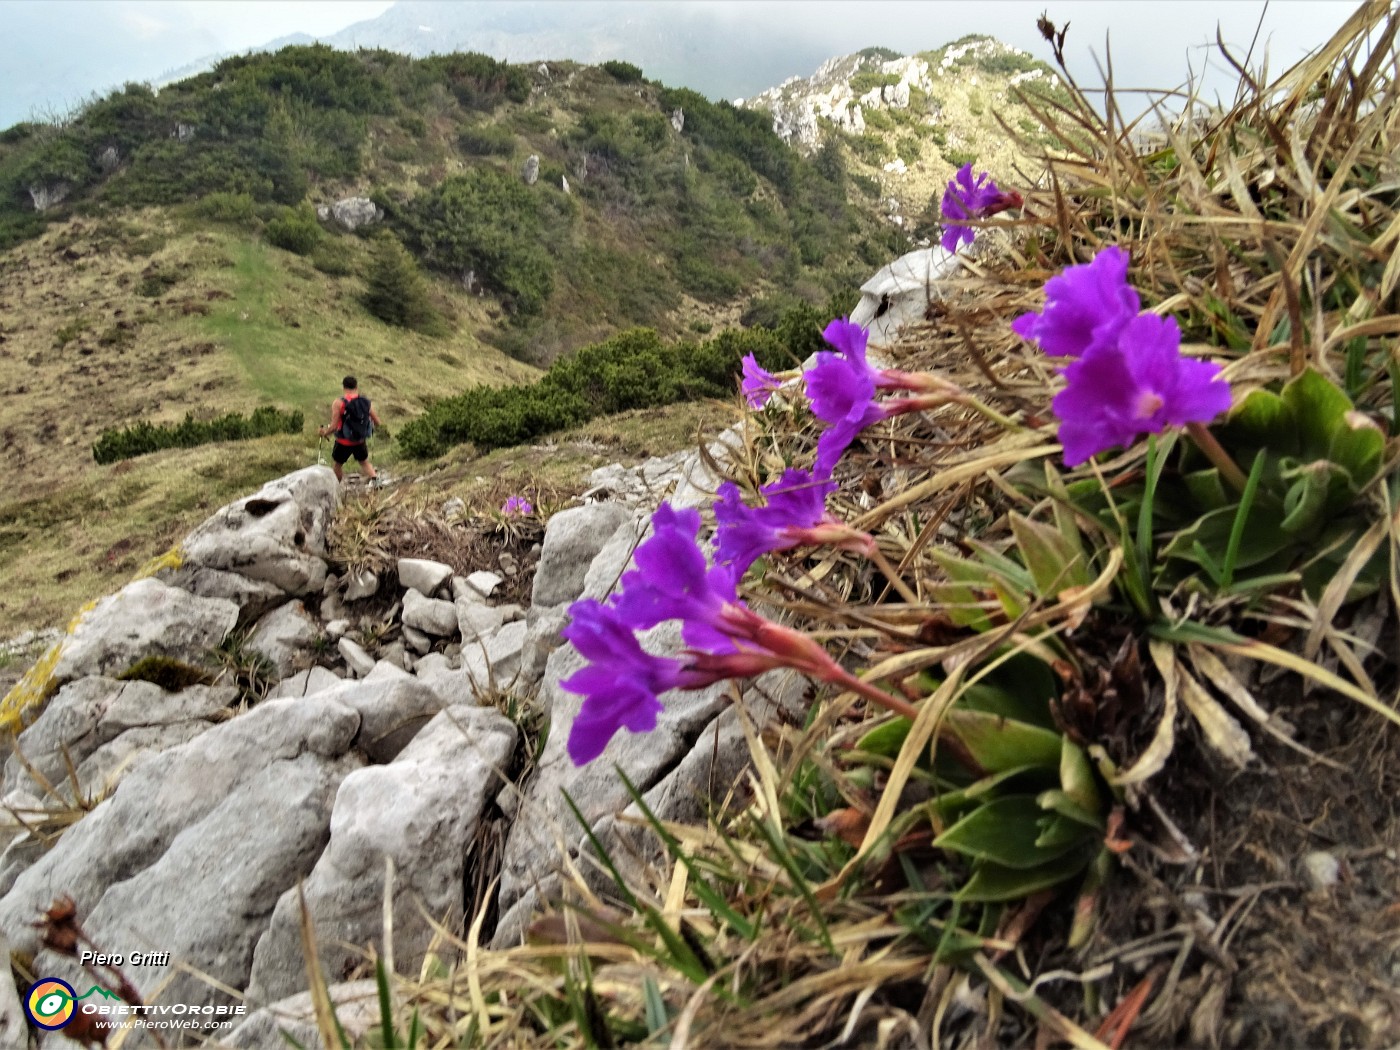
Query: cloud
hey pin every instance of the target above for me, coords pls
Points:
(144, 26)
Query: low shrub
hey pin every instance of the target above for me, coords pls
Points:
(295, 230)
(623, 72)
(488, 140)
(143, 437)
(634, 369)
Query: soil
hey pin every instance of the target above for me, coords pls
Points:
(1246, 949)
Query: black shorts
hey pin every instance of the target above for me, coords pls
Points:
(342, 453)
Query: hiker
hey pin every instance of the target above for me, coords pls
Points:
(352, 422)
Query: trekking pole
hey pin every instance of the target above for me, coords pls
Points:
(320, 449)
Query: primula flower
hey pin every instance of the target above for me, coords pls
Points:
(759, 383)
(796, 506)
(673, 582)
(621, 683)
(841, 389)
(1138, 384)
(1086, 306)
(969, 198)
(517, 505)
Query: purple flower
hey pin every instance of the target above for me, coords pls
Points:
(759, 383)
(968, 198)
(796, 503)
(1137, 384)
(517, 505)
(841, 388)
(620, 684)
(673, 582)
(1086, 306)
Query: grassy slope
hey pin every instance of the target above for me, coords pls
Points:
(243, 324)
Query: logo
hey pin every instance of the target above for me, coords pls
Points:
(51, 1003)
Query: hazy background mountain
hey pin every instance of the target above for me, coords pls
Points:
(54, 55)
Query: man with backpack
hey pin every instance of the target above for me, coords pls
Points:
(352, 422)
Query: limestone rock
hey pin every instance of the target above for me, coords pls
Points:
(422, 575)
(899, 294)
(477, 621)
(359, 661)
(108, 160)
(354, 212)
(386, 671)
(541, 639)
(420, 810)
(144, 618)
(227, 872)
(68, 723)
(417, 640)
(45, 195)
(531, 172)
(677, 119)
(571, 540)
(253, 597)
(284, 635)
(484, 583)
(93, 711)
(104, 768)
(305, 683)
(277, 744)
(612, 560)
(277, 535)
(495, 662)
(362, 584)
(14, 1029)
(392, 711)
(433, 616)
(337, 629)
(356, 1008)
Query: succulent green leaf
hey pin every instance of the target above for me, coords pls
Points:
(993, 882)
(1059, 832)
(999, 743)
(1004, 831)
(1309, 497)
(1059, 803)
(1318, 408)
(1053, 562)
(1358, 447)
(1265, 420)
(885, 739)
(1261, 539)
(1206, 488)
(1077, 777)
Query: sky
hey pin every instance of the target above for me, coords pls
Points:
(55, 52)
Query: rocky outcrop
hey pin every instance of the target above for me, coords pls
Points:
(420, 811)
(45, 195)
(352, 213)
(223, 825)
(210, 806)
(900, 294)
(531, 172)
(276, 536)
(145, 618)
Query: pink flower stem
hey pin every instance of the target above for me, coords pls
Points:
(1206, 442)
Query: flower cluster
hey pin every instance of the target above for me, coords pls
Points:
(517, 505)
(1126, 375)
(969, 198)
(622, 682)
